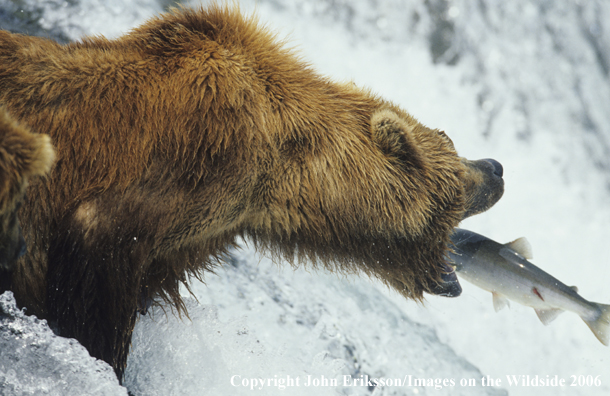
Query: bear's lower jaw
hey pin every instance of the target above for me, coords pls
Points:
(449, 285)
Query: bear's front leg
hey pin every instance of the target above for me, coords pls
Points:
(93, 292)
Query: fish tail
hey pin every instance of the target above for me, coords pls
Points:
(600, 326)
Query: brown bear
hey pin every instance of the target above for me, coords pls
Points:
(23, 155)
(197, 128)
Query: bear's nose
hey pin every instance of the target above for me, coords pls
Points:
(498, 170)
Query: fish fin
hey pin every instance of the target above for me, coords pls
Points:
(521, 246)
(574, 288)
(546, 316)
(499, 301)
(600, 326)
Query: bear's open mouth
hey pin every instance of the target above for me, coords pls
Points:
(449, 285)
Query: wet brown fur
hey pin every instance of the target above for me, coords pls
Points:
(197, 128)
(23, 155)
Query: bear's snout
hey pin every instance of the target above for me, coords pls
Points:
(483, 185)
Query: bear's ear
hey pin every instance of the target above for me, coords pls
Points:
(394, 136)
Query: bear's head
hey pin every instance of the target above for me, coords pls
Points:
(400, 136)
(23, 155)
(458, 188)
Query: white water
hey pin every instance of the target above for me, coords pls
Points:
(529, 88)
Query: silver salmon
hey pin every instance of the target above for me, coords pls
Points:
(505, 271)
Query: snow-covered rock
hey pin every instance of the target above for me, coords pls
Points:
(34, 361)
